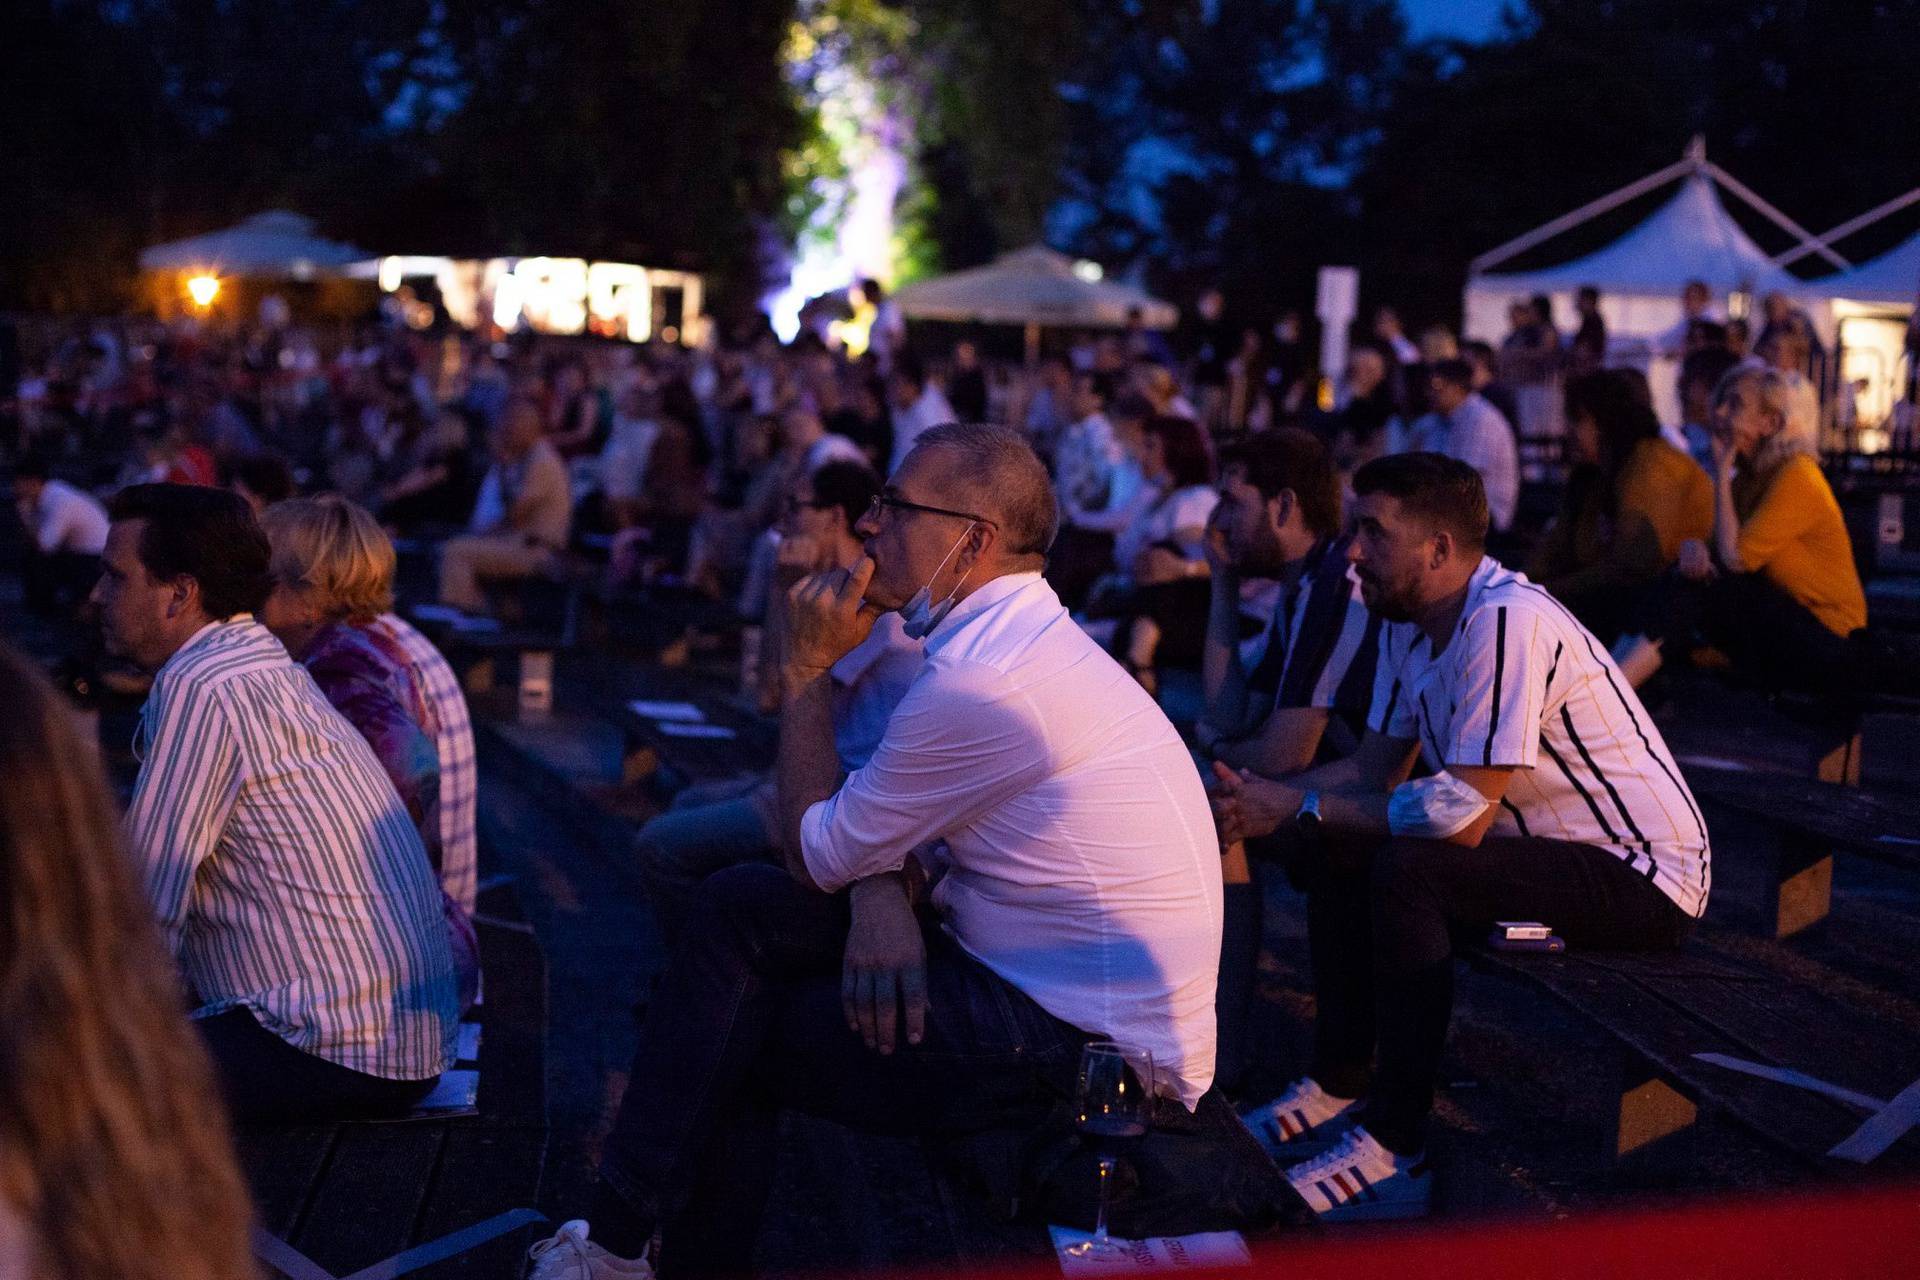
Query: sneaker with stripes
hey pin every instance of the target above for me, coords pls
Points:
(1358, 1180)
(1298, 1120)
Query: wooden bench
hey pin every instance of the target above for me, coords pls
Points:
(1662, 1011)
(657, 758)
(1787, 829)
(347, 1196)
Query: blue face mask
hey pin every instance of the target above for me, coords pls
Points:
(920, 615)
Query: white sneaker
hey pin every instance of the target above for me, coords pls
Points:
(569, 1255)
(1299, 1119)
(1358, 1180)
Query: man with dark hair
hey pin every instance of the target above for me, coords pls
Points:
(262, 479)
(709, 828)
(1278, 517)
(1076, 879)
(917, 406)
(1465, 426)
(1550, 797)
(1700, 375)
(287, 877)
(66, 530)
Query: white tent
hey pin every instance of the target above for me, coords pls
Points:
(1033, 287)
(1893, 277)
(276, 244)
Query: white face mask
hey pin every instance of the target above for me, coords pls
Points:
(920, 615)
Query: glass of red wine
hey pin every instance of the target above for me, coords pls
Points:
(1114, 1102)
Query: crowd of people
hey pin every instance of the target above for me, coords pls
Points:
(984, 842)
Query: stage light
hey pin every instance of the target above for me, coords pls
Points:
(203, 290)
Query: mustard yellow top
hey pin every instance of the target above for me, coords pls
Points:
(1671, 491)
(1792, 531)
(1662, 499)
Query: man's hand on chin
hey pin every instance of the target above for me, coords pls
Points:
(827, 616)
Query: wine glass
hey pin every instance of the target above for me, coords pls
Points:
(1114, 1101)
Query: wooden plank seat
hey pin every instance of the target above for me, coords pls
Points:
(1663, 1010)
(665, 761)
(346, 1196)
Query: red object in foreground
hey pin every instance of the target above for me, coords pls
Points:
(1863, 1233)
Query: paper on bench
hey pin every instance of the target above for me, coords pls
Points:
(438, 612)
(468, 1048)
(684, 711)
(675, 729)
(1155, 1253)
(475, 623)
(457, 1090)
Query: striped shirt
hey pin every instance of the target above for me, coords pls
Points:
(440, 689)
(1524, 686)
(1322, 644)
(285, 873)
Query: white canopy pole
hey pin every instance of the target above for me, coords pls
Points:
(1780, 219)
(1585, 212)
(1848, 227)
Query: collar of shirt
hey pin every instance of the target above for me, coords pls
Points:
(858, 660)
(194, 641)
(991, 593)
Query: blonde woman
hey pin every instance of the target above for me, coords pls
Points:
(115, 1162)
(332, 568)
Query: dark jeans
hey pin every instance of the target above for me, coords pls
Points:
(267, 1080)
(1767, 634)
(1381, 942)
(747, 1020)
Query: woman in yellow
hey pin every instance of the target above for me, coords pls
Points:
(1631, 501)
(1780, 594)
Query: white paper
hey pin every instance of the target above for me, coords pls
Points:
(675, 729)
(468, 1049)
(438, 612)
(1156, 1253)
(684, 711)
(457, 1089)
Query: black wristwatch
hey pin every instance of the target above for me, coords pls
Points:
(1307, 816)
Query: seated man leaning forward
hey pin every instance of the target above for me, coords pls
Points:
(1080, 896)
(287, 877)
(1551, 798)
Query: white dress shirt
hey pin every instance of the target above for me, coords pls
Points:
(1084, 865)
(929, 411)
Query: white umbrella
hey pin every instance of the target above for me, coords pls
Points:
(275, 244)
(1036, 288)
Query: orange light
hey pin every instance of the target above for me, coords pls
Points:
(203, 290)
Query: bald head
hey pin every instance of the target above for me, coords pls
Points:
(994, 471)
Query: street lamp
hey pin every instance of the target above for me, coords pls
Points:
(203, 290)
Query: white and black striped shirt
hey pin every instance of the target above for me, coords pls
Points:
(1523, 685)
(282, 865)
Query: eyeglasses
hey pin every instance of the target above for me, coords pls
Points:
(888, 501)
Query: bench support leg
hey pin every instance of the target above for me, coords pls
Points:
(1650, 1109)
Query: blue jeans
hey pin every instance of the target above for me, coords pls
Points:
(748, 1021)
(678, 849)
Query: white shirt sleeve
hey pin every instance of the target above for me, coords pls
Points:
(959, 744)
(1502, 690)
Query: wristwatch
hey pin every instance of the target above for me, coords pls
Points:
(1307, 816)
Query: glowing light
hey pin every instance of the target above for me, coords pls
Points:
(1091, 272)
(392, 272)
(203, 290)
(553, 293)
(620, 295)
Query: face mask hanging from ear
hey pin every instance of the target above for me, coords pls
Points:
(920, 615)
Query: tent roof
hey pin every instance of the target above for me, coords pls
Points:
(275, 243)
(1690, 237)
(1034, 285)
(1894, 276)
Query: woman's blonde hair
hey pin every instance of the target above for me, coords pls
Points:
(335, 549)
(114, 1150)
(1795, 436)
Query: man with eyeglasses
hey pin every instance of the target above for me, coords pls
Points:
(1074, 894)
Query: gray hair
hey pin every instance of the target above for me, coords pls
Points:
(1002, 477)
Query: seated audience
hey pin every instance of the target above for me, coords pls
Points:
(332, 573)
(1084, 550)
(115, 1160)
(1774, 589)
(1361, 427)
(1631, 500)
(261, 814)
(433, 485)
(1550, 796)
(918, 406)
(1160, 591)
(1278, 517)
(710, 828)
(1700, 375)
(521, 517)
(1078, 898)
(1465, 426)
(66, 530)
(262, 479)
